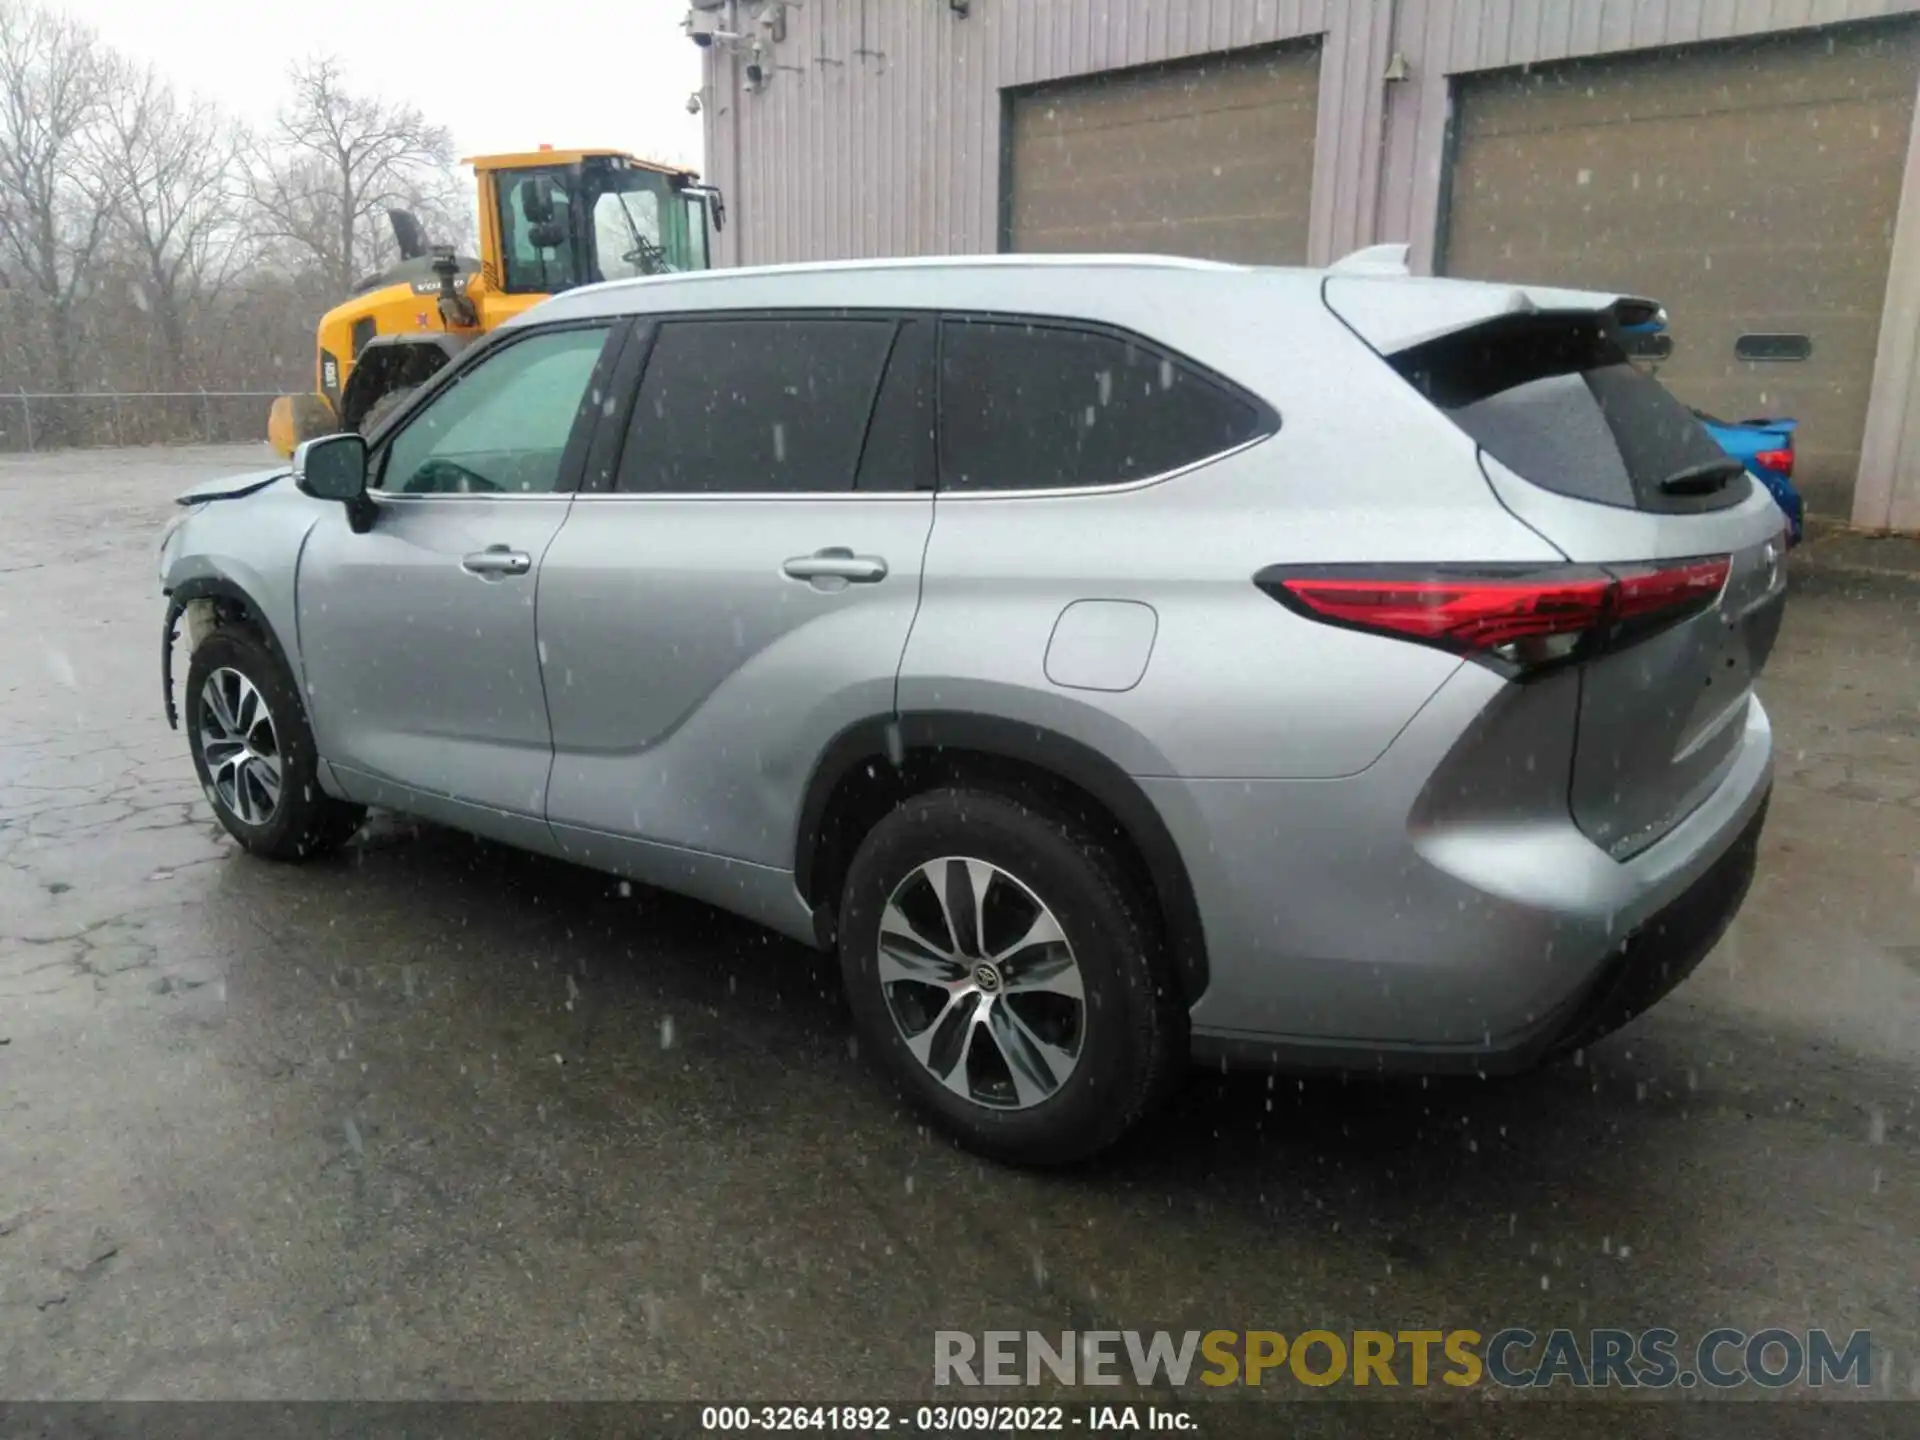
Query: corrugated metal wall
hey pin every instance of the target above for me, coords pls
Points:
(878, 129)
(1443, 38)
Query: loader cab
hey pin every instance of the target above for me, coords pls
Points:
(549, 220)
(560, 219)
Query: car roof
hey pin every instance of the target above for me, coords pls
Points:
(1370, 290)
(1043, 283)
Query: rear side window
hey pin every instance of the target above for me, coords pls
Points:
(1555, 399)
(754, 406)
(1038, 407)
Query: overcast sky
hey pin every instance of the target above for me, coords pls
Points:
(569, 72)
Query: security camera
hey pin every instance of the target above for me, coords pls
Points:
(703, 28)
(756, 75)
(693, 103)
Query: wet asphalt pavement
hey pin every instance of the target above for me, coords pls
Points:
(434, 1118)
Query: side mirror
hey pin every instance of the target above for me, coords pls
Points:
(334, 467)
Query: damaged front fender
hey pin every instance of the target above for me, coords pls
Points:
(175, 606)
(205, 603)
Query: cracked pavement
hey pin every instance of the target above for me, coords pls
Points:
(435, 1119)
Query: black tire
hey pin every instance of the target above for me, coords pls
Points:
(378, 412)
(1132, 1035)
(303, 820)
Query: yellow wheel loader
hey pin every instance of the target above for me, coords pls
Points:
(549, 220)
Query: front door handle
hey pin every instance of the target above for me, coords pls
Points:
(836, 563)
(497, 560)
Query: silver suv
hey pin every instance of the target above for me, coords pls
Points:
(1116, 660)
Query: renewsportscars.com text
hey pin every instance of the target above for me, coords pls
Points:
(1514, 1357)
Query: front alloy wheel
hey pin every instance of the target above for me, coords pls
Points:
(981, 983)
(240, 746)
(253, 749)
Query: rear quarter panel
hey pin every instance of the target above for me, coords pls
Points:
(1237, 686)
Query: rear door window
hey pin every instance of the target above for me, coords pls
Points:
(754, 406)
(1036, 406)
(1556, 400)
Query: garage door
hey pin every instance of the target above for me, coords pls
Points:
(1211, 157)
(1751, 186)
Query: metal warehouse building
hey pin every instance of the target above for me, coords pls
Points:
(1752, 163)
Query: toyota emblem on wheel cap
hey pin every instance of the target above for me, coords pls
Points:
(986, 977)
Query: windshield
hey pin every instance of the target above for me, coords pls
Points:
(567, 225)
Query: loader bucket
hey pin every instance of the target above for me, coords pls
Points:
(295, 418)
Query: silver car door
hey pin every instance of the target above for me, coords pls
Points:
(738, 592)
(417, 637)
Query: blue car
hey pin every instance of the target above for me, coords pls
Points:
(1765, 447)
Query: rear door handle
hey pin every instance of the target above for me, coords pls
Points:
(497, 560)
(836, 563)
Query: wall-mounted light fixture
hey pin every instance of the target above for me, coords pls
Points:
(1397, 71)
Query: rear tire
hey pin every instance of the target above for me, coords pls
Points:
(254, 753)
(378, 412)
(982, 1028)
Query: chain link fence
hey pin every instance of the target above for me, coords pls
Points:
(35, 421)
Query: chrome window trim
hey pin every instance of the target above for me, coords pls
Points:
(382, 497)
(947, 497)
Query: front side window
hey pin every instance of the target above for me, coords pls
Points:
(502, 427)
(754, 406)
(1038, 407)
(693, 225)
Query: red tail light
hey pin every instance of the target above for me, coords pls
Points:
(1668, 591)
(1516, 618)
(1781, 460)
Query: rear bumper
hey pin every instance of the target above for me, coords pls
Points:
(1668, 947)
(1348, 927)
(1640, 972)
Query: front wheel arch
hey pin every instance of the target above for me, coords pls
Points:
(232, 606)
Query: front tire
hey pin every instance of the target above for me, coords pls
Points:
(254, 752)
(1003, 971)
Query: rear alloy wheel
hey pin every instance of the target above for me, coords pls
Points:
(254, 753)
(999, 966)
(981, 983)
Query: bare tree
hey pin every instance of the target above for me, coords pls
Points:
(146, 243)
(176, 164)
(57, 194)
(338, 161)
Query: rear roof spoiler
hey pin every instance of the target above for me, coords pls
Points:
(1373, 260)
(1392, 310)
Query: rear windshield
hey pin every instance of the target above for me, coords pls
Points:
(1555, 399)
